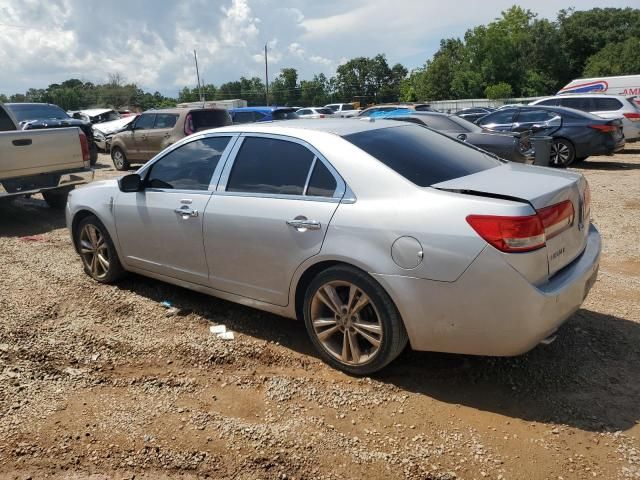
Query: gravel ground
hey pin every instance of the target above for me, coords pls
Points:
(100, 382)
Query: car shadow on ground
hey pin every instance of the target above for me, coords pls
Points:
(28, 216)
(588, 378)
(591, 164)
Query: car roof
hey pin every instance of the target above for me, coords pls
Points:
(183, 110)
(260, 109)
(92, 112)
(16, 104)
(551, 108)
(336, 126)
(593, 95)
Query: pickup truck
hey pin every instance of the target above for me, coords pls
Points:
(47, 161)
(345, 110)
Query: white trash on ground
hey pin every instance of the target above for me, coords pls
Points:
(220, 331)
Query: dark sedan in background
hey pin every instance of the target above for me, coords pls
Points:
(576, 135)
(512, 146)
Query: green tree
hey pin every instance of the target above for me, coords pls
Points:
(498, 91)
(621, 58)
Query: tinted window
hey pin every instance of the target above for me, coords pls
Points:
(325, 111)
(550, 102)
(165, 120)
(205, 119)
(577, 103)
(189, 167)
(304, 112)
(420, 155)
(145, 121)
(27, 111)
(606, 104)
(441, 123)
(502, 117)
(6, 123)
(322, 183)
(531, 116)
(284, 115)
(347, 106)
(333, 107)
(265, 165)
(243, 117)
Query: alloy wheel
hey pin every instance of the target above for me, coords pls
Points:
(346, 322)
(560, 154)
(94, 251)
(118, 159)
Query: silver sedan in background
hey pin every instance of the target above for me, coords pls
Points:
(315, 112)
(375, 233)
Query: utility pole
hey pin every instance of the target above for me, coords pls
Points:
(195, 56)
(266, 74)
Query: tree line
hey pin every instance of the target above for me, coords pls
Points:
(516, 55)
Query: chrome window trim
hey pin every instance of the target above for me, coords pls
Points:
(341, 186)
(309, 173)
(233, 138)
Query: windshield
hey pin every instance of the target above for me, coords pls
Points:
(422, 156)
(28, 111)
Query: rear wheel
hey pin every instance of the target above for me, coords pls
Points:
(96, 249)
(352, 322)
(119, 159)
(562, 153)
(93, 154)
(56, 198)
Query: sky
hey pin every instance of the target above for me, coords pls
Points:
(151, 42)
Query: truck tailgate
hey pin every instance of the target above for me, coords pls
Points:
(30, 152)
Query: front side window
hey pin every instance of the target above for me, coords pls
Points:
(532, 116)
(189, 167)
(498, 118)
(145, 121)
(422, 156)
(347, 106)
(577, 103)
(266, 165)
(304, 112)
(166, 120)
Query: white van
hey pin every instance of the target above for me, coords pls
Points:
(623, 85)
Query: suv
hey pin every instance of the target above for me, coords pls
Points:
(155, 130)
(343, 109)
(606, 106)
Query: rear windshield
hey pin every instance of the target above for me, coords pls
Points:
(284, 114)
(203, 119)
(27, 111)
(422, 156)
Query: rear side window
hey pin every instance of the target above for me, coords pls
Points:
(422, 156)
(577, 103)
(266, 165)
(166, 120)
(189, 167)
(6, 124)
(322, 183)
(205, 119)
(145, 121)
(528, 116)
(606, 104)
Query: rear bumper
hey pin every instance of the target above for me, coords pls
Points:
(46, 181)
(491, 309)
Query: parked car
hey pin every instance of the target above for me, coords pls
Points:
(438, 244)
(512, 146)
(35, 116)
(620, 85)
(390, 107)
(576, 135)
(103, 132)
(262, 114)
(605, 106)
(155, 130)
(47, 161)
(96, 115)
(344, 110)
(314, 112)
(473, 114)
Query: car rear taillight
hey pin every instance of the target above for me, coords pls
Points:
(605, 128)
(84, 145)
(188, 125)
(525, 233)
(634, 117)
(322, 115)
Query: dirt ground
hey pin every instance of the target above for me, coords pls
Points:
(102, 382)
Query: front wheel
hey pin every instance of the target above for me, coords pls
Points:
(96, 249)
(119, 159)
(562, 153)
(352, 322)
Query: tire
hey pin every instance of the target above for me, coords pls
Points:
(580, 159)
(57, 198)
(99, 257)
(93, 154)
(119, 159)
(331, 326)
(563, 153)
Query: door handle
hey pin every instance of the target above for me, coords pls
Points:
(302, 225)
(186, 212)
(22, 142)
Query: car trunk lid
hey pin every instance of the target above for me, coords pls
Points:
(541, 188)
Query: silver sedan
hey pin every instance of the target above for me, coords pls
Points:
(374, 233)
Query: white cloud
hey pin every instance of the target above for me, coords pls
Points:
(295, 49)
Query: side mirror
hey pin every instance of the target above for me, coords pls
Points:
(537, 127)
(130, 183)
